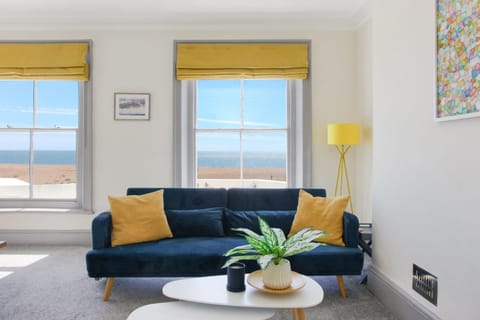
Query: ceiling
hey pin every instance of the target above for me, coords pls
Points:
(21, 14)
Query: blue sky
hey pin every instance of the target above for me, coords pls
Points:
(264, 105)
(57, 103)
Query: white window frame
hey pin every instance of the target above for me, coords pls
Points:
(299, 132)
(240, 131)
(83, 201)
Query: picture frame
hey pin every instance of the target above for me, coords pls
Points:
(132, 106)
(457, 61)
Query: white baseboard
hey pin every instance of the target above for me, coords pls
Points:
(47, 237)
(395, 299)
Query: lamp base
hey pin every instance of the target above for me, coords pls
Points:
(341, 172)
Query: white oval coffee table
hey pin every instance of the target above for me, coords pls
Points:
(182, 310)
(212, 290)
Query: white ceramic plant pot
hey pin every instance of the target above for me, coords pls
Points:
(278, 276)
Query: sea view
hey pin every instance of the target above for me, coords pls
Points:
(213, 159)
(39, 157)
(59, 167)
(205, 159)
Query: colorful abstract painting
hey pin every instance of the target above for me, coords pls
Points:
(458, 59)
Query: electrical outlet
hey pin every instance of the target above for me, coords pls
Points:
(425, 283)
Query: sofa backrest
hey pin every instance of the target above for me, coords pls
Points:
(267, 199)
(187, 198)
(226, 209)
(276, 206)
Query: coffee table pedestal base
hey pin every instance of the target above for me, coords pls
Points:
(298, 314)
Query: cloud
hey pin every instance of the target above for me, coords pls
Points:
(50, 111)
(16, 109)
(58, 111)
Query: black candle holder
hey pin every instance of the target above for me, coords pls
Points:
(236, 277)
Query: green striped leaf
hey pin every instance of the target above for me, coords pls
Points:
(300, 248)
(239, 258)
(245, 249)
(280, 249)
(272, 244)
(259, 245)
(280, 236)
(268, 234)
(248, 232)
(304, 236)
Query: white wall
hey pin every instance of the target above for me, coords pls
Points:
(425, 173)
(139, 153)
(334, 100)
(363, 152)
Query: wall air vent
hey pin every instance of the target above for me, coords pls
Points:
(425, 283)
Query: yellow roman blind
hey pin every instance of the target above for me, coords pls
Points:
(197, 61)
(60, 61)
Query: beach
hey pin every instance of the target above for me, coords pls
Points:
(277, 174)
(42, 173)
(60, 174)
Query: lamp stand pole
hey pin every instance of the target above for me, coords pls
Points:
(342, 170)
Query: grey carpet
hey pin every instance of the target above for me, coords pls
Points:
(57, 287)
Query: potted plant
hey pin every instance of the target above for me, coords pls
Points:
(270, 250)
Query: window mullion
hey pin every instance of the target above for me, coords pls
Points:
(35, 92)
(30, 165)
(32, 142)
(241, 130)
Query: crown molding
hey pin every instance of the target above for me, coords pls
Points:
(298, 23)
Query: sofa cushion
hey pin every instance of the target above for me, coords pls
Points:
(266, 199)
(281, 219)
(196, 222)
(192, 256)
(187, 198)
(202, 256)
(138, 218)
(321, 213)
(328, 260)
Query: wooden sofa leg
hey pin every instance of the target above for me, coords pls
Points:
(108, 288)
(341, 286)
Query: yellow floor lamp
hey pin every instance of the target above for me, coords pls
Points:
(343, 136)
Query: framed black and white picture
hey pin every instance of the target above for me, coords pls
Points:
(132, 106)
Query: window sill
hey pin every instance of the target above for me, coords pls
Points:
(44, 210)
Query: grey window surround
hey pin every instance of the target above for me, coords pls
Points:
(83, 201)
(298, 132)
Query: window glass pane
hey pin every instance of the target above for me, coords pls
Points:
(24, 107)
(54, 165)
(16, 104)
(264, 160)
(265, 104)
(218, 104)
(57, 104)
(218, 159)
(14, 167)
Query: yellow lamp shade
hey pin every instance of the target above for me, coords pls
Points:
(343, 133)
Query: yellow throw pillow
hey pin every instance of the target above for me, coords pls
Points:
(321, 213)
(138, 218)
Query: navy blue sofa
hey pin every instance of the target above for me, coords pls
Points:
(201, 222)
